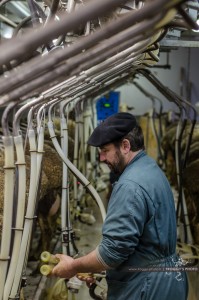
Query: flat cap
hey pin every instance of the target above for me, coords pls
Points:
(112, 128)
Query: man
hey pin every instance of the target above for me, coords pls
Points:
(139, 234)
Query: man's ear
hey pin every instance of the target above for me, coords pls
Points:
(126, 146)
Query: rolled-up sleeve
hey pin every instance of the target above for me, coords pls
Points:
(126, 216)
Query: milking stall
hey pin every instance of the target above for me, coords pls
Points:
(65, 67)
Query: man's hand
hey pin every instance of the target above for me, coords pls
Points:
(69, 267)
(65, 268)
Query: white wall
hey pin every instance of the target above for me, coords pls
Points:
(182, 59)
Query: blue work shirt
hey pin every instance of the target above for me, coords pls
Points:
(139, 236)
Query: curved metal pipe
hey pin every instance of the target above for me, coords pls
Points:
(49, 61)
(4, 118)
(42, 36)
(28, 105)
(73, 169)
(111, 47)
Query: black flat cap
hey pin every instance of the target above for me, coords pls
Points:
(111, 129)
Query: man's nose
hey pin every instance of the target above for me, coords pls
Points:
(102, 157)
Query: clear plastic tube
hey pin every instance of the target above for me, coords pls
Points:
(49, 260)
(46, 269)
(47, 257)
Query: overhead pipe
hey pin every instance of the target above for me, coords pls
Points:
(88, 88)
(29, 43)
(50, 92)
(97, 89)
(21, 90)
(117, 70)
(86, 76)
(103, 50)
(110, 73)
(47, 63)
(125, 54)
(26, 74)
(84, 89)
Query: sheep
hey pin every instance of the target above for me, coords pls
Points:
(48, 208)
(190, 171)
(50, 184)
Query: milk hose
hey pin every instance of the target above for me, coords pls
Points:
(8, 209)
(26, 237)
(9, 168)
(29, 215)
(74, 170)
(19, 215)
(65, 205)
(65, 210)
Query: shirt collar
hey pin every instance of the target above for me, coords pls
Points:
(140, 154)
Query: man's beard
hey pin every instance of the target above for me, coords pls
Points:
(118, 165)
